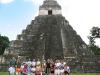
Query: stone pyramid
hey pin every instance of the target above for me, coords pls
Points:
(50, 35)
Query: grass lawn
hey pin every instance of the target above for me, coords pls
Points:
(85, 74)
(6, 73)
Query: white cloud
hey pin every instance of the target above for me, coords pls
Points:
(6, 1)
(35, 2)
(97, 42)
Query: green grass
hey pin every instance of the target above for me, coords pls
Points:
(85, 74)
(6, 73)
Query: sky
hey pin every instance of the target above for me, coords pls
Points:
(82, 15)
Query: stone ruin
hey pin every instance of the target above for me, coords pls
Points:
(50, 35)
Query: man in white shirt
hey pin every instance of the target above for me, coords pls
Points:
(57, 69)
(11, 70)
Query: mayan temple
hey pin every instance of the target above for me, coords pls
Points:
(50, 35)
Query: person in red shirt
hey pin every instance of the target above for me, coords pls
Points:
(18, 70)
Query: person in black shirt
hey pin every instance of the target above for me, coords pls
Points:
(48, 66)
(52, 67)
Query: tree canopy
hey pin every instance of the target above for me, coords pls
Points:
(4, 43)
(94, 34)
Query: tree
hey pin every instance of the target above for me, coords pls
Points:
(94, 33)
(4, 43)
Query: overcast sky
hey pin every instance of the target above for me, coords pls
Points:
(82, 15)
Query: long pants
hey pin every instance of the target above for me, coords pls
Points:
(48, 71)
(57, 72)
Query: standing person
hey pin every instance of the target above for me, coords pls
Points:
(48, 67)
(61, 67)
(19, 61)
(18, 70)
(29, 63)
(33, 63)
(57, 67)
(38, 70)
(33, 70)
(13, 62)
(43, 66)
(22, 66)
(29, 70)
(33, 66)
(25, 70)
(38, 62)
(52, 67)
(11, 70)
(66, 70)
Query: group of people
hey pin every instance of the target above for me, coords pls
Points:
(49, 67)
